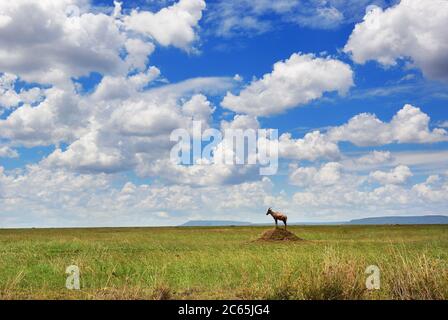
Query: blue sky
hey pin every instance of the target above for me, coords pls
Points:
(91, 91)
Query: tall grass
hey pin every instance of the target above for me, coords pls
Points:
(337, 278)
(225, 263)
(416, 277)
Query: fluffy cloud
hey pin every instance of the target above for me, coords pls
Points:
(58, 118)
(198, 108)
(395, 176)
(434, 189)
(59, 197)
(88, 154)
(68, 45)
(116, 137)
(241, 121)
(10, 98)
(199, 174)
(174, 25)
(118, 127)
(55, 197)
(328, 175)
(123, 87)
(409, 125)
(7, 152)
(375, 158)
(412, 29)
(147, 119)
(138, 52)
(357, 196)
(135, 135)
(295, 81)
(76, 41)
(312, 146)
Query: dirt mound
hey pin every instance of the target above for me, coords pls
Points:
(278, 234)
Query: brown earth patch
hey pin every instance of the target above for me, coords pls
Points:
(278, 234)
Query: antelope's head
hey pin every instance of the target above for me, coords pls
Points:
(269, 211)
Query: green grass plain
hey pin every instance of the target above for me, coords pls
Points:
(225, 263)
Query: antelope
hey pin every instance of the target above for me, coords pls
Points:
(277, 216)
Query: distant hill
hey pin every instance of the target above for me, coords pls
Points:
(434, 219)
(214, 223)
(402, 220)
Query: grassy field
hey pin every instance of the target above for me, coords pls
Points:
(225, 263)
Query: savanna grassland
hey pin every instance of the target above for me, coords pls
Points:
(225, 263)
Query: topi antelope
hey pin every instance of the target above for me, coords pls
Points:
(277, 216)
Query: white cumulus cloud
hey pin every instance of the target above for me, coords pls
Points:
(412, 29)
(312, 146)
(7, 152)
(174, 25)
(395, 176)
(295, 81)
(327, 175)
(375, 158)
(71, 43)
(409, 125)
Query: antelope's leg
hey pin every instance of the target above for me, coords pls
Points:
(285, 223)
(276, 223)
